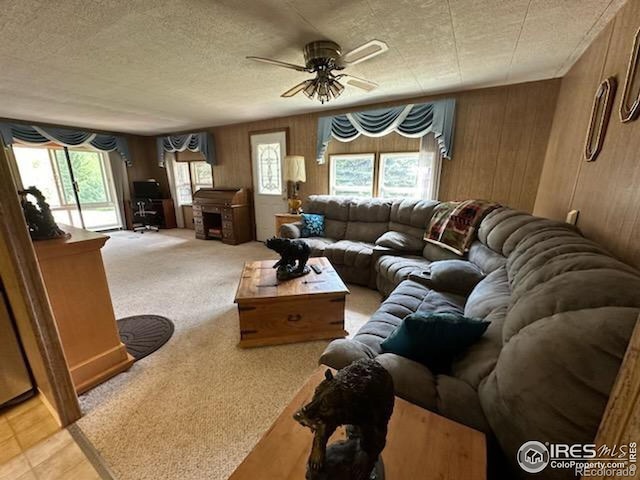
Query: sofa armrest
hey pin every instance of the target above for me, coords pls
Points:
(290, 230)
(343, 352)
(412, 381)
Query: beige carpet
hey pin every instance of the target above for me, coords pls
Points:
(196, 407)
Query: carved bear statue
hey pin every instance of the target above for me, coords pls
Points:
(291, 251)
(360, 396)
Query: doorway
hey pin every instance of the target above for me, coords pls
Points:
(267, 153)
(79, 188)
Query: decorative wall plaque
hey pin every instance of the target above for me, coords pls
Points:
(630, 101)
(600, 113)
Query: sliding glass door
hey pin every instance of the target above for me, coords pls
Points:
(95, 207)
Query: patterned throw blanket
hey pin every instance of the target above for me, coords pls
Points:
(453, 224)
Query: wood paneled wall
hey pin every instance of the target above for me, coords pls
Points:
(500, 141)
(607, 191)
(145, 163)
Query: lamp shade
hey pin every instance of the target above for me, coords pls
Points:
(294, 170)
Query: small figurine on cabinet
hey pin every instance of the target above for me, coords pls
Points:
(361, 397)
(291, 252)
(42, 225)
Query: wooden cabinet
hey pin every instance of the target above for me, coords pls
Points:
(222, 214)
(282, 218)
(76, 284)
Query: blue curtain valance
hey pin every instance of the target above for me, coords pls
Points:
(35, 135)
(413, 121)
(194, 142)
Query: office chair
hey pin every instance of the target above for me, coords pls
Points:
(145, 217)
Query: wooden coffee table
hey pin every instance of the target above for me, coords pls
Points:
(297, 310)
(420, 445)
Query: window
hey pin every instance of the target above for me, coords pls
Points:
(387, 175)
(48, 170)
(189, 177)
(352, 175)
(404, 175)
(269, 175)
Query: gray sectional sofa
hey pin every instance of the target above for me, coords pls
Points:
(561, 310)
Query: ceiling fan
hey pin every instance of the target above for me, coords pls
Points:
(324, 57)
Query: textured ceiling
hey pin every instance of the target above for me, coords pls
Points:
(149, 66)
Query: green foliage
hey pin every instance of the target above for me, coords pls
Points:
(87, 170)
(400, 172)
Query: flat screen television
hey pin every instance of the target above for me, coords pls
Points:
(147, 189)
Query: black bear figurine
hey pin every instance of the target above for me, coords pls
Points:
(360, 396)
(291, 252)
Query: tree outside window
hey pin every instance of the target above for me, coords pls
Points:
(387, 175)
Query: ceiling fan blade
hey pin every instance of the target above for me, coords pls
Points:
(295, 90)
(358, 82)
(278, 63)
(364, 52)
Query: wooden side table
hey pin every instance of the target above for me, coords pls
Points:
(420, 445)
(282, 218)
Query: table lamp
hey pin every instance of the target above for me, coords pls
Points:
(295, 173)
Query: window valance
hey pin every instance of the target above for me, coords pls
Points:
(194, 142)
(412, 120)
(35, 135)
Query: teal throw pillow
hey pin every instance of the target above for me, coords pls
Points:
(434, 339)
(312, 225)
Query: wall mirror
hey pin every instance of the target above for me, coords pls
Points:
(600, 113)
(630, 101)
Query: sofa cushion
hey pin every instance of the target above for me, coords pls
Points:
(335, 211)
(350, 253)
(318, 245)
(365, 231)
(407, 298)
(334, 208)
(411, 216)
(455, 276)
(401, 242)
(491, 293)
(433, 339)
(312, 225)
(442, 394)
(434, 252)
(392, 270)
(485, 258)
(368, 219)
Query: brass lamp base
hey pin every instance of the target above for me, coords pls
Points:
(295, 205)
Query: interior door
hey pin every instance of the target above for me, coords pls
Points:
(267, 153)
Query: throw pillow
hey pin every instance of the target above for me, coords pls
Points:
(400, 241)
(454, 276)
(434, 339)
(453, 224)
(312, 225)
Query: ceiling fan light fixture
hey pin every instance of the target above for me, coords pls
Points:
(324, 57)
(310, 89)
(336, 88)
